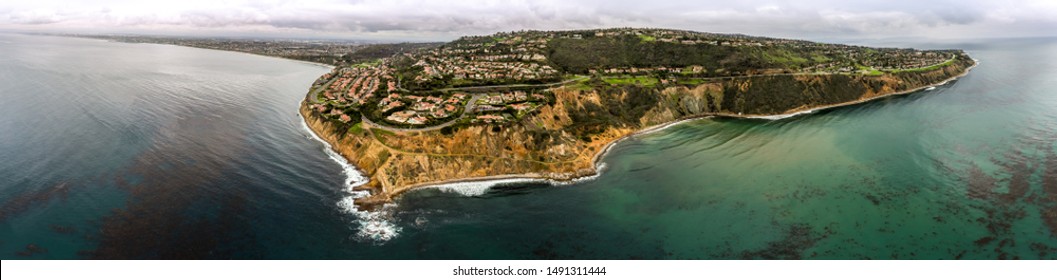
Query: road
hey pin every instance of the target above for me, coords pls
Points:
(466, 110)
(315, 93)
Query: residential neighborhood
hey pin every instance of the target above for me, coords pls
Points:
(511, 60)
(418, 110)
(501, 78)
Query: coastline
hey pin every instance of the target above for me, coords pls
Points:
(482, 183)
(328, 66)
(373, 223)
(599, 166)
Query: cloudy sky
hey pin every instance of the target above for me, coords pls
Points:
(424, 20)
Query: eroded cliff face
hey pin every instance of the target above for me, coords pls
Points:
(779, 94)
(539, 147)
(562, 140)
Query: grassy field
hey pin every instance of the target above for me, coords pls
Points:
(647, 38)
(631, 80)
(356, 128)
(372, 63)
(784, 57)
(691, 81)
(926, 68)
(580, 85)
(870, 71)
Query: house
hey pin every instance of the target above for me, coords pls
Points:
(490, 118)
(423, 106)
(521, 106)
(401, 117)
(416, 120)
(441, 113)
(487, 108)
(392, 105)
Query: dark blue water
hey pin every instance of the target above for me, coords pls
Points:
(114, 150)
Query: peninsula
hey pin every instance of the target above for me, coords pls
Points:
(547, 104)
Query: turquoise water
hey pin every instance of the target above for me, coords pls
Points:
(118, 150)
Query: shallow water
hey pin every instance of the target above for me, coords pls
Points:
(114, 150)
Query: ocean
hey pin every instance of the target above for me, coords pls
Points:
(142, 151)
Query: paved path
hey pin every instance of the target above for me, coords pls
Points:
(315, 93)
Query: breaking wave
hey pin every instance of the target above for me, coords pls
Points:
(784, 116)
(481, 187)
(376, 226)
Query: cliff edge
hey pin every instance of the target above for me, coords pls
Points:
(557, 130)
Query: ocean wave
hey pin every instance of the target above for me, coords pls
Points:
(353, 177)
(373, 226)
(598, 172)
(666, 126)
(784, 116)
(479, 188)
(376, 226)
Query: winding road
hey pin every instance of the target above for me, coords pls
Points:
(466, 110)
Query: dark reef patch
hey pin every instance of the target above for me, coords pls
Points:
(797, 239)
(175, 211)
(31, 250)
(62, 229)
(981, 185)
(25, 201)
(1003, 210)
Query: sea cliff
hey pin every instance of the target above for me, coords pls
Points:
(565, 139)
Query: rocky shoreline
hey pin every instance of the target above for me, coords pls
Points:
(362, 153)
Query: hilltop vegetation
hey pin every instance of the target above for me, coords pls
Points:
(581, 55)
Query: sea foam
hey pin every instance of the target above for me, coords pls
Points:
(377, 226)
(784, 116)
(479, 188)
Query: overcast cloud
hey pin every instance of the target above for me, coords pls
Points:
(423, 20)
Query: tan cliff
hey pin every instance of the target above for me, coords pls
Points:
(562, 141)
